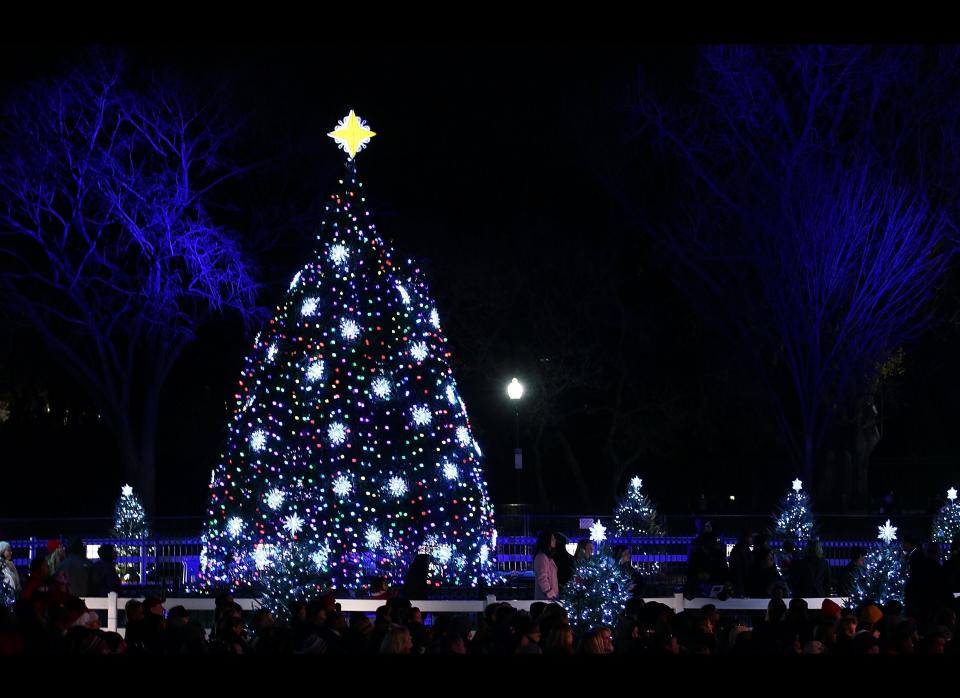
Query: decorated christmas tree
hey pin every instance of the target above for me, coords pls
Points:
(130, 523)
(294, 572)
(129, 518)
(794, 522)
(635, 515)
(599, 588)
(350, 437)
(884, 575)
(946, 524)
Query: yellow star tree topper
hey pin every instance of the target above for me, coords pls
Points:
(352, 134)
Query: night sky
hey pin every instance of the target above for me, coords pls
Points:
(495, 168)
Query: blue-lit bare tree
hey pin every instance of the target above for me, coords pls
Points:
(108, 248)
(799, 218)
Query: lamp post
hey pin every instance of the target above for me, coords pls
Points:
(515, 392)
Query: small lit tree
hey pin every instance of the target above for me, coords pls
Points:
(599, 589)
(794, 522)
(635, 514)
(884, 575)
(946, 525)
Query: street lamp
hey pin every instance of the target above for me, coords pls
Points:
(515, 391)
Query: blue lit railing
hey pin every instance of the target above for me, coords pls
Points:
(173, 563)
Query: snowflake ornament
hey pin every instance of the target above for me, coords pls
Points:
(421, 415)
(349, 329)
(337, 433)
(888, 533)
(443, 553)
(373, 538)
(450, 470)
(275, 498)
(397, 486)
(342, 486)
(598, 532)
(235, 526)
(261, 556)
(380, 387)
(258, 440)
(293, 524)
(315, 371)
(419, 350)
(339, 254)
(309, 307)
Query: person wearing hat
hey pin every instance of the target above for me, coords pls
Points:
(9, 577)
(56, 552)
(103, 574)
(830, 609)
(870, 615)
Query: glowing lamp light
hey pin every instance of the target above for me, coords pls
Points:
(515, 389)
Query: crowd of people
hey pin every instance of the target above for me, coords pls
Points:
(49, 616)
(757, 570)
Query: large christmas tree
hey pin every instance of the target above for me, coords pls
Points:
(350, 437)
(794, 521)
(946, 524)
(884, 576)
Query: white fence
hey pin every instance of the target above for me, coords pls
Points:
(111, 603)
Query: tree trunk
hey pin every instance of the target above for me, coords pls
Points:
(148, 445)
(538, 467)
(137, 457)
(865, 441)
(807, 467)
(574, 464)
(137, 471)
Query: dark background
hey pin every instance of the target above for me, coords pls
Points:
(491, 168)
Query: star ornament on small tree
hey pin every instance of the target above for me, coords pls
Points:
(127, 490)
(952, 494)
(352, 134)
(797, 485)
(598, 532)
(888, 533)
(636, 483)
